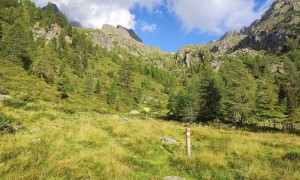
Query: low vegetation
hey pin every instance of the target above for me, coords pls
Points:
(93, 146)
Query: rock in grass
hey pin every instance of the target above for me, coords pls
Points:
(134, 112)
(35, 129)
(126, 119)
(173, 178)
(5, 97)
(167, 140)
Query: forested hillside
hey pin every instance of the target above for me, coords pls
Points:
(47, 47)
(246, 87)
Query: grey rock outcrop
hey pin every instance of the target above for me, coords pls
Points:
(53, 32)
(173, 178)
(130, 32)
(280, 22)
(110, 37)
(4, 97)
(134, 112)
(167, 140)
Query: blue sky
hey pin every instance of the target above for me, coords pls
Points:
(168, 24)
(170, 34)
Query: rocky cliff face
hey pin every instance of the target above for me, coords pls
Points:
(110, 37)
(280, 22)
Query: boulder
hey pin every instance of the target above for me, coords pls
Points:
(126, 119)
(134, 112)
(167, 140)
(4, 97)
(173, 178)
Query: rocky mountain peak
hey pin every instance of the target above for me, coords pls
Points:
(280, 7)
(120, 31)
(230, 33)
(55, 8)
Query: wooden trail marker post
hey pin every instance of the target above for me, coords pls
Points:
(188, 142)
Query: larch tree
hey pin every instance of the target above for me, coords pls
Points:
(239, 101)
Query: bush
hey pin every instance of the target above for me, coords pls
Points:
(292, 156)
(6, 124)
(4, 91)
(15, 103)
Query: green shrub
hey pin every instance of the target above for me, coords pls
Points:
(15, 103)
(292, 156)
(4, 90)
(6, 124)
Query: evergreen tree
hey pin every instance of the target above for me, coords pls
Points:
(65, 84)
(172, 103)
(210, 92)
(292, 102)
(61, 19)
(8, 3)
(49, 15)
(45, 63)
(112, 94)
(63, 67)
(17, 43)
(126, 75)
(88, 85)
(240, 86)
(185, 104)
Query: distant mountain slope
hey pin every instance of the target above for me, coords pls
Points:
(279, 23)
(55, 8)
(110, 37)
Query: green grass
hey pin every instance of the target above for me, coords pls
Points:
(94, 146)
(75, 138)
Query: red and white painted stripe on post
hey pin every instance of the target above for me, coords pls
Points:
(188, 142)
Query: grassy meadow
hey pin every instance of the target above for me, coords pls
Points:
(54, 145)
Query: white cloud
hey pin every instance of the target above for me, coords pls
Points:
(216, 16)
(205, 16)
(95, 13)
(148, 27)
